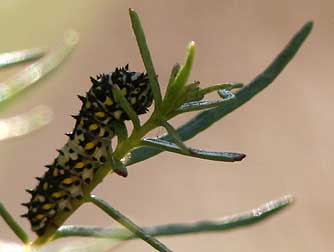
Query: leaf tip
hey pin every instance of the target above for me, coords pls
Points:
(192, 44)
(132, 11)
(240, 157)
(71, 37)
(309, 24)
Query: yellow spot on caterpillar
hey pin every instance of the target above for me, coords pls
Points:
(39, 198)
(89, 146)
(55, 172)
(45, 186)
(108, 101)
(136, 91)
(117, 114)
(100, 114)
(68, 181)
(88, 105)
(57, 195)
(40, 216)
(93, 127)
(47, 206)
(79, 165)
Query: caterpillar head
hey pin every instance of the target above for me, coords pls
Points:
(134, 86)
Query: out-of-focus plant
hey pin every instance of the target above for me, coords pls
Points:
(10, 88)
(180, 97)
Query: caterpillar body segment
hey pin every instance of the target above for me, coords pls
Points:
(88, 145)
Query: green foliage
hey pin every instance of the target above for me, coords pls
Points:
(181, 97)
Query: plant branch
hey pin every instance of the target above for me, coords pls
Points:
(223, 224)
(15, 227)
(205, 119)
(137, 231)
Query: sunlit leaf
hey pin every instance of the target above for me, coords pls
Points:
(36, 71)
(79, 245)
(10, 58)
(25, 123)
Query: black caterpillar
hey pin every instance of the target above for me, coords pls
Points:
(88, 145)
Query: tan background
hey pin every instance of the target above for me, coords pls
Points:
(286, 131)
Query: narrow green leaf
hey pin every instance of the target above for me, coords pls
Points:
(175, 137)
(10, 58)
(206, 118)
(15, 227)
(183, 74)
(200, 105)
(203, 154)
(126, 106)
(222, 224)
(25, 123)
(213, 88)
(136, 230)
(176, 88)
(173, 74)
(146, 56)
(36, 71)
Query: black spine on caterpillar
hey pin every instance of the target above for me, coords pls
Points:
(88, 145)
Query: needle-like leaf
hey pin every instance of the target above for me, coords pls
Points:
(146, 56)
(36, 71)
(206, 118)
(175, 88)
(200, 105)
(137, 231)
(226, 223)
(203, 154)
(17, 229)
(23, 124)
(175, 137)
(126, 107)
(10, 58)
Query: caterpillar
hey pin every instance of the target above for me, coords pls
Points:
(88, 145)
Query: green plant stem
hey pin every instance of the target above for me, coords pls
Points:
(223, 224)
(126, 106)
(137, 231)
(175, 137)
(205, 119)
(15, 227)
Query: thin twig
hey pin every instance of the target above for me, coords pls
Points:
(15, 227)
(136, 230)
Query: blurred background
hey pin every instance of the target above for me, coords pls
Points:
(286, 131)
